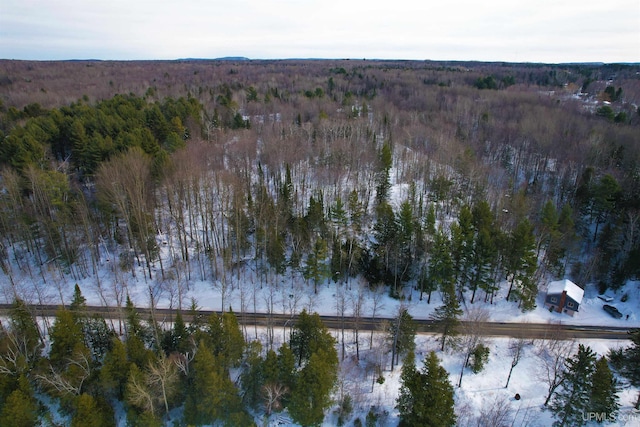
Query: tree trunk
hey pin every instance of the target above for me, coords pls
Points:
(509, 377)
(510, 288)
(464, 365)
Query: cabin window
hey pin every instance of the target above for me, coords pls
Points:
(570, 304)
(554, 299)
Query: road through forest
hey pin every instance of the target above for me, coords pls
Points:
(424, 326)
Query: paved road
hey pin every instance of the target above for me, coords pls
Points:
(498, 329)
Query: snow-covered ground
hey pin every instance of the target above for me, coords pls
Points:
(478, 394)
(208, 297)
(485, 390)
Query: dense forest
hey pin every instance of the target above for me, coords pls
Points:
(432, 176)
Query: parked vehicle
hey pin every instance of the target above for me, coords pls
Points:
(613, 312)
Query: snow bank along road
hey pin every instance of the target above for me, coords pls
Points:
(503, 329)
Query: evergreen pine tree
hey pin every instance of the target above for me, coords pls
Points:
(89, 414)
(406, 247)
(383, 182)
(316, 268)
(484, 258)
(441, 270)
(310, 335)
(339, 216)
(426, 397)
(225, 339)
(252, 377)
(409, 382)
(115, 370)
(448, 315)
(66, 336)
(548, 233)
(287, 367)
(387, 239)
(176, 338)
(270, 370)
(604, 390)
(20, 408)
(211, 395)
(629, 363)
(570, 403)
(462, 248)
(430, 221)
(311, 395)
(521, 264)
(356, 212)
(401, 335)
(137, 337)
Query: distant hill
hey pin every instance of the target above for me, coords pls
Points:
(225, 58)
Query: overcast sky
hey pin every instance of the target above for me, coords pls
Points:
(528, 31)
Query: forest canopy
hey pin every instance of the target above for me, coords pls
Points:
(395, 175)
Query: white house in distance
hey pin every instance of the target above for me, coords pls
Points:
(564, 296)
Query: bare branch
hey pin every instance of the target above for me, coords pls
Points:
(272, 393)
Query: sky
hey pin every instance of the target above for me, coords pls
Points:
(492, 30)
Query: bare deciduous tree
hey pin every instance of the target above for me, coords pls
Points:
(497, 413)
(156, 385)
(70, 380)
(472, 335)
(163, 379)
(552, 354)
(357, 301)
(272, 394)
(516, 350)
(341, 309)
(138, 392)
(376, 305)
(124, 183)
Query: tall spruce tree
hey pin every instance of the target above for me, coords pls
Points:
(88, 413)
(252, 377)
(383, 181)
(604, 390)
(66, 337)
(20, 409)
(115, 370)
(627, 361)
(225, 339)
(448, 315)
(440, 267)
(521, 265)
(311, 395)
(211, 395)
(401, 335)
(386, 246)
(571, 402)
(409, 380)
(462, 235)
(310, 335)
(316, 268)
(426, 397)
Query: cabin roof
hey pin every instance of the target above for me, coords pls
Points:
(574, 291)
